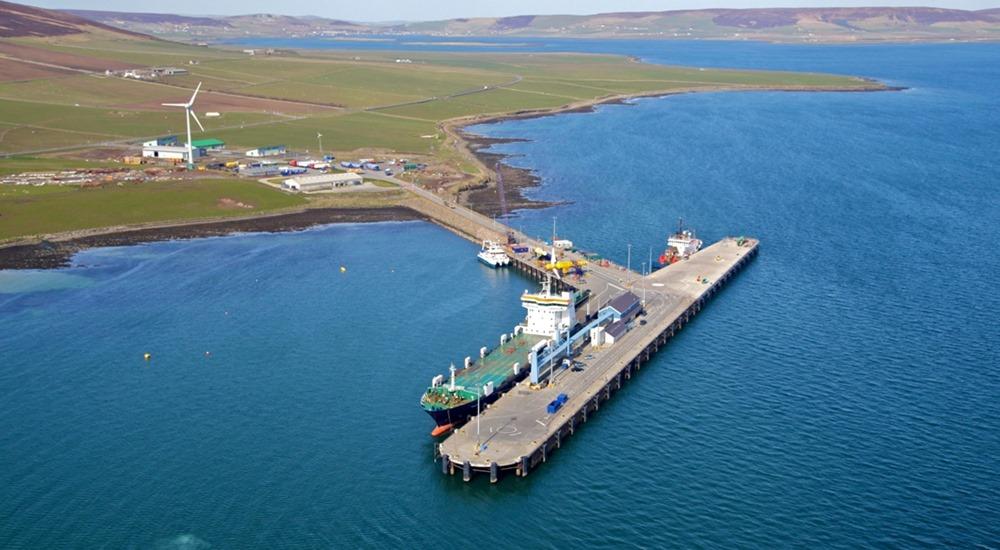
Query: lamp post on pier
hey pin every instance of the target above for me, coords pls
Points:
(628, 266)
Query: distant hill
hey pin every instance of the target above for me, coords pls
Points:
(182, 27)
(774, 24)
(122, 19)
(780, 24)
(17, 20)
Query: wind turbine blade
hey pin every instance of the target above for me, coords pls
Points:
(195, 117)
(174, 104)
(194, 95)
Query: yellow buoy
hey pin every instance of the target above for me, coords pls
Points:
(147, 356)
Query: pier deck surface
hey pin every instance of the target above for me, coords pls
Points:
(518, 424)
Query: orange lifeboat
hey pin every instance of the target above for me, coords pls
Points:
(441, 430)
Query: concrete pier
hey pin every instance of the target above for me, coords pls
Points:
(517, 434)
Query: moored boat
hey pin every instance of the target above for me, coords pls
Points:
(453, 401)
(680, 246)
(493, 255)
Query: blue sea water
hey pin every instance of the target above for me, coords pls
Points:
(843, 391)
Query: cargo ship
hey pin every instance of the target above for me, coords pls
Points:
(453, 401)
(680, 246)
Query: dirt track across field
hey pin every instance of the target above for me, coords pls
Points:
(11, 70)
(70, 60)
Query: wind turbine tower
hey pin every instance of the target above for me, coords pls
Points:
(188, 115)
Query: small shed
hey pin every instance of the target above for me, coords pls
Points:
(614, 331)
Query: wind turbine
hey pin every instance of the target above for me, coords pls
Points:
(188, 115)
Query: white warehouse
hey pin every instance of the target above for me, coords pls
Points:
(322, 182)
(169, 152)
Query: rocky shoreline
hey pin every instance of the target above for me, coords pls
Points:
(56, 253)
(486, 198)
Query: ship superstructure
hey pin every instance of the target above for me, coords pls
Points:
(680, 246)
(549, 313)
(453, 400)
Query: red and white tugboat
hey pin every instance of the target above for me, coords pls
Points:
(680, 246)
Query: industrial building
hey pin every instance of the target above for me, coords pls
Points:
(260, 171)
(169, 152)
(626, 307)
(210, 144)
(165, 140)
(169, 71)
(322, 182)
(269, 151)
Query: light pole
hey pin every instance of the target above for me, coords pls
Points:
(644, 285)
(628, 266)
(319, 138)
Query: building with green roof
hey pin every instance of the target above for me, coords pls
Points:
(210, 144)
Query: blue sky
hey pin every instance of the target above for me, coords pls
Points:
(423, 10)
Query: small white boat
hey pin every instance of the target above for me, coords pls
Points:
(493, 255)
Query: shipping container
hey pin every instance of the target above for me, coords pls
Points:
(554, 406)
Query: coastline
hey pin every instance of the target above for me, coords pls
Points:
(484, 197)
(57, 250)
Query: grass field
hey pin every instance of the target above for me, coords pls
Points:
(80, 110)
(28, 210)
(357, 100)
(344, 132)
